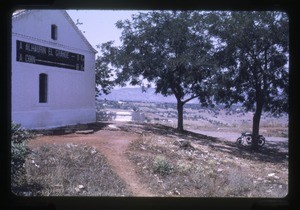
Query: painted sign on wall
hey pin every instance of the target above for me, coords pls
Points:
(37, 54)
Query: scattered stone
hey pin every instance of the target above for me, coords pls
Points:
(79, 188)
(36, 165)
(93, 150)
(269, 191)
(85, 132)
(176, 192)
(271, 174)
(219, 170)
(113, 127)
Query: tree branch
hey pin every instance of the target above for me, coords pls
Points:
(191, 98)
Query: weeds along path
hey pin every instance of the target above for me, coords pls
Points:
(113, 145)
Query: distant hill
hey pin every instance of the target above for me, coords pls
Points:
(136, 94)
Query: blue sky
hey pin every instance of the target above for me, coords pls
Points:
(99, 25)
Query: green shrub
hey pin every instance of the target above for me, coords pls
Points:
(162, 166)
(19, 151)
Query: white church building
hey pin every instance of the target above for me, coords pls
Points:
(53, 71)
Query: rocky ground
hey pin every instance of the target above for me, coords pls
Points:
(156, 160)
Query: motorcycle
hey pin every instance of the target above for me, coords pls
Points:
(248, 138)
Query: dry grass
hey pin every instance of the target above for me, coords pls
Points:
(70, 170)
(172, 170)
(168, 163)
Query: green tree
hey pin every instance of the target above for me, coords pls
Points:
(103, 75)
(253, 55)
(170, 49)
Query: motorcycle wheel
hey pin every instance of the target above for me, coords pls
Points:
(261, 141)
(249, 139)
(239, 141)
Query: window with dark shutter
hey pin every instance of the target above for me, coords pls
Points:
(53, 32)
(43, 88)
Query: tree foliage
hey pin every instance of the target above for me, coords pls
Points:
(253, 57)
(170, 49)
(217, 57)
(103, 73)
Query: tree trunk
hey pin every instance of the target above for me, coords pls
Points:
(256, 122)
(180, 115)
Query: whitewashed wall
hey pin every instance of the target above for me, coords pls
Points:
(71, 93)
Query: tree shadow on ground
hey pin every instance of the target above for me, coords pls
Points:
(274, 152)
(96, 126)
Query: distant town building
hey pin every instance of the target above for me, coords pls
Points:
(53, 78)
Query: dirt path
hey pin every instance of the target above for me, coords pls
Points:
(111, 144)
